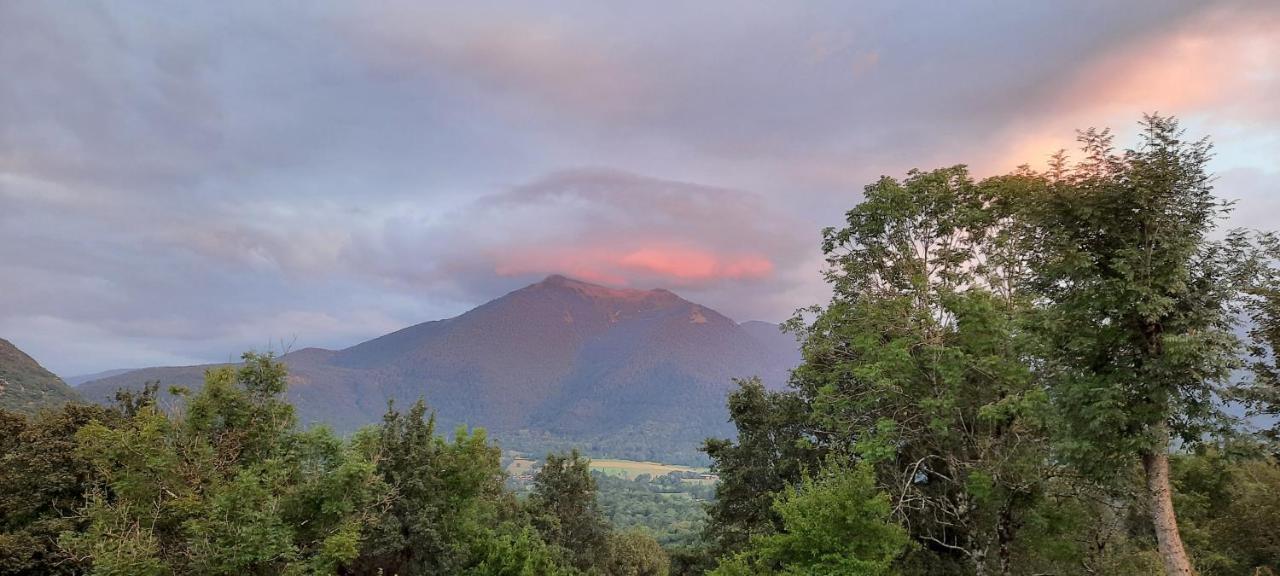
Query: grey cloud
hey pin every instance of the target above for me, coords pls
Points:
(180, 181)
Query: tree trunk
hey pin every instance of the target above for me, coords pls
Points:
(979, 558)
(1004, 536)
(1156, 464)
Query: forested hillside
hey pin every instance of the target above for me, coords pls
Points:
(25, 386)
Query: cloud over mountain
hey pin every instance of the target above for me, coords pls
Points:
(178, 182)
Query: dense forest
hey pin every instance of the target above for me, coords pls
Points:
(1062, 372)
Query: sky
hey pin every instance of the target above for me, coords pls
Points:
(182, 181)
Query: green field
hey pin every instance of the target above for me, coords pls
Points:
(521, 465)
(629, 469)
(618, 468)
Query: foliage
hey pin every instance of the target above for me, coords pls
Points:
(1013, 359)
(565, 510)
(230, 485)
(836, 524)
(1259, 278)
(635, 553)
(446, 496)
(772, 450)
(669, 508)
(521, 553)
(25, 386)
(918, 364)
(1139, 311)
(42, 483)
(228, 488)
(1229, 503)
(1138, 308)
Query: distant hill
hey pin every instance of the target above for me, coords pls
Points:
(25, 386)
(81, 379)
(771, 336)
(631, 369)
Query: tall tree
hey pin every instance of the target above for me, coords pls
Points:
(1139, 308)
(919, 364)
(565, 510)
(773, 448)
(409, 538)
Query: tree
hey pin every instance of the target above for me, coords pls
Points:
(1138, 309)
(42, 483)
(564, 508)
(228, 488)
(995, 349)
(635, 553)
(410, 537)
(1259, 277)
(1228, 508)
(773, 448)
(835, 524)
(920, 364)
(519, 553)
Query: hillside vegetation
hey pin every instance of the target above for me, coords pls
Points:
(25, 386)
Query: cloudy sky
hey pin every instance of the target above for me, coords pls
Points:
(181, 181)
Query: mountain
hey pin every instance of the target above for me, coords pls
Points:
(25, 386)
(771, 336)
(81, 379)
(557, 359)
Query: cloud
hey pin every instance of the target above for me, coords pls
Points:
(596, 224)
(177, 184)
(1215, 69)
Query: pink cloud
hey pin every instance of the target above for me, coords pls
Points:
(1217, 68)
(686, 264)
(657, 265)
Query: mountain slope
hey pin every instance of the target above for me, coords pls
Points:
(559, 357)
(74, 381)
(25, 386)
(772, 337)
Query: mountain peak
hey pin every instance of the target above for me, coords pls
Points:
(600, 292)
